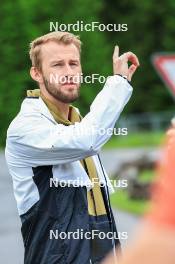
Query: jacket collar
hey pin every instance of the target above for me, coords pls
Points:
(34, 103)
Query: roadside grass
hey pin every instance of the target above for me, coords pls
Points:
(121, 200)
(134, 140)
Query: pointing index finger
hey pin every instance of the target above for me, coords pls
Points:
(116, 52)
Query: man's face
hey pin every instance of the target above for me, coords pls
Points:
(60, 69)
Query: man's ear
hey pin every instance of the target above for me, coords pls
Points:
(36, 74)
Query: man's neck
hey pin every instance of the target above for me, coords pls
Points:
(62, 107)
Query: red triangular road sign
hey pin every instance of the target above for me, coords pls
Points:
(164, 64)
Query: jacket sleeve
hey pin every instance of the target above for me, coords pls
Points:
(39, 142)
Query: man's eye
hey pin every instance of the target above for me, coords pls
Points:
(58, 64)
(74, 64)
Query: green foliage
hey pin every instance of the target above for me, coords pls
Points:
(147, 176)
(151, 29)
(121, 201)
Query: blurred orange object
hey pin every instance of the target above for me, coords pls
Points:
(154, 241)
(163, 191)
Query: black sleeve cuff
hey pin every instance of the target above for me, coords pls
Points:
(123, 77)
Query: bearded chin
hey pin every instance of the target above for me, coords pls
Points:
(58, 95)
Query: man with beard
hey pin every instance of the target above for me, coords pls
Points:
(49, 143)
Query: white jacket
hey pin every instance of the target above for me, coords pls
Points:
(34, 139)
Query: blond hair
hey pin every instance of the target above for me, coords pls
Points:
(57, 36)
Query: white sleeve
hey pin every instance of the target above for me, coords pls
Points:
(39, 142)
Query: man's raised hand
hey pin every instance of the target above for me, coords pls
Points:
(120, 63)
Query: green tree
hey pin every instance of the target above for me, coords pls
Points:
(150, 30)
(13, 62)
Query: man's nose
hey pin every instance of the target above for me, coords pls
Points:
(68, 70)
